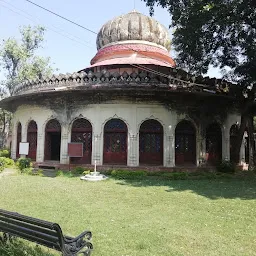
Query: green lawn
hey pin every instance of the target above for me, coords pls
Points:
(148, 217)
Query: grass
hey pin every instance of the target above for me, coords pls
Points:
(142, 217)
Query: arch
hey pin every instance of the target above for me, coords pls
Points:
(213, 143)
(52, 140)
(185, 143)
(19, 129)
(115, 142)
(32, 139)
(82, 132)
(151, 143)
(233, 133)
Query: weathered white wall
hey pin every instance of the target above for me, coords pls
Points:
(98, 114)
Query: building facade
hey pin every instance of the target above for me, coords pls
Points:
(130, 107)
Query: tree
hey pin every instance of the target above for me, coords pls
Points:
(20, 63)
(221, 33)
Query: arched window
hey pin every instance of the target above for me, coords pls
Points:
(32, 139)
(82, 133)
(52, 140)
(115, 142)
(151, 143)
(213, 144)
(19, 128)
(185, 143)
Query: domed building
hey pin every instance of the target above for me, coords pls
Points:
(131, 107)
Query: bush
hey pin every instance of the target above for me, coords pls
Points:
(226, 167)
(28, 171)
(86, 172)
(78, 170)
(5, 153)
(23, 163)
(40, 172)
(125, 174)
(5, 162)
(66, 174)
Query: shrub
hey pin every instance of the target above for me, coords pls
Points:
(66, 174)
(23, 163)
(125, 174)
(1, 166)
(35, 172)
(78, 170)
(5, 153)
(28, 171)
(226, 167)
(86, 172)
(6, 161)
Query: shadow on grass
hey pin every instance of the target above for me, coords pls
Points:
(235, 187)
(20, 248)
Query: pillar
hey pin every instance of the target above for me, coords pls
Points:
(97, 150)
(14, 141)
(169, 151)
(64, 158)
(133, 150)
(40, 145)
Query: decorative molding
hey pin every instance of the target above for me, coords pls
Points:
(175, 80)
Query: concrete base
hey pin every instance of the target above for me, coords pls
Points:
(95, 176)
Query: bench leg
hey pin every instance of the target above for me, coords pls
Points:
(88, 250)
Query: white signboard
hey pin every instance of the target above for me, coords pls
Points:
(23, 149)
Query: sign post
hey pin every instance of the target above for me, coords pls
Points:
(75, 149)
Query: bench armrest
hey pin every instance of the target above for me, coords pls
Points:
(79, 243)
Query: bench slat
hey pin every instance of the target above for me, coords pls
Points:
(30, 220)
(45, 233)
(33, 233)
(31, 238)
(29, 226)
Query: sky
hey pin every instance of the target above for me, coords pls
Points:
(70, 47)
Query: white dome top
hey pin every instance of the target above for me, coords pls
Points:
(133, 26)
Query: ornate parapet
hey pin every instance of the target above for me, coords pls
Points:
(176, 80)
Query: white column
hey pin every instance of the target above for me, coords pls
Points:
(40, 145)
(227, 150)
(23, 136)
(64, 159)
(225, 144)
(242, 151)
(97, 150)
(198, 149)
(14, 141)
(132, 154)
(169, 149)
(202, 151)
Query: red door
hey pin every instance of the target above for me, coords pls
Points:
(115, 142)
(32, 139)
(52, 140)
(213, 144)
(82, 132)
(185, 144)
(151, 143)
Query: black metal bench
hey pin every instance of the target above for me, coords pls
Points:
(46, 233)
